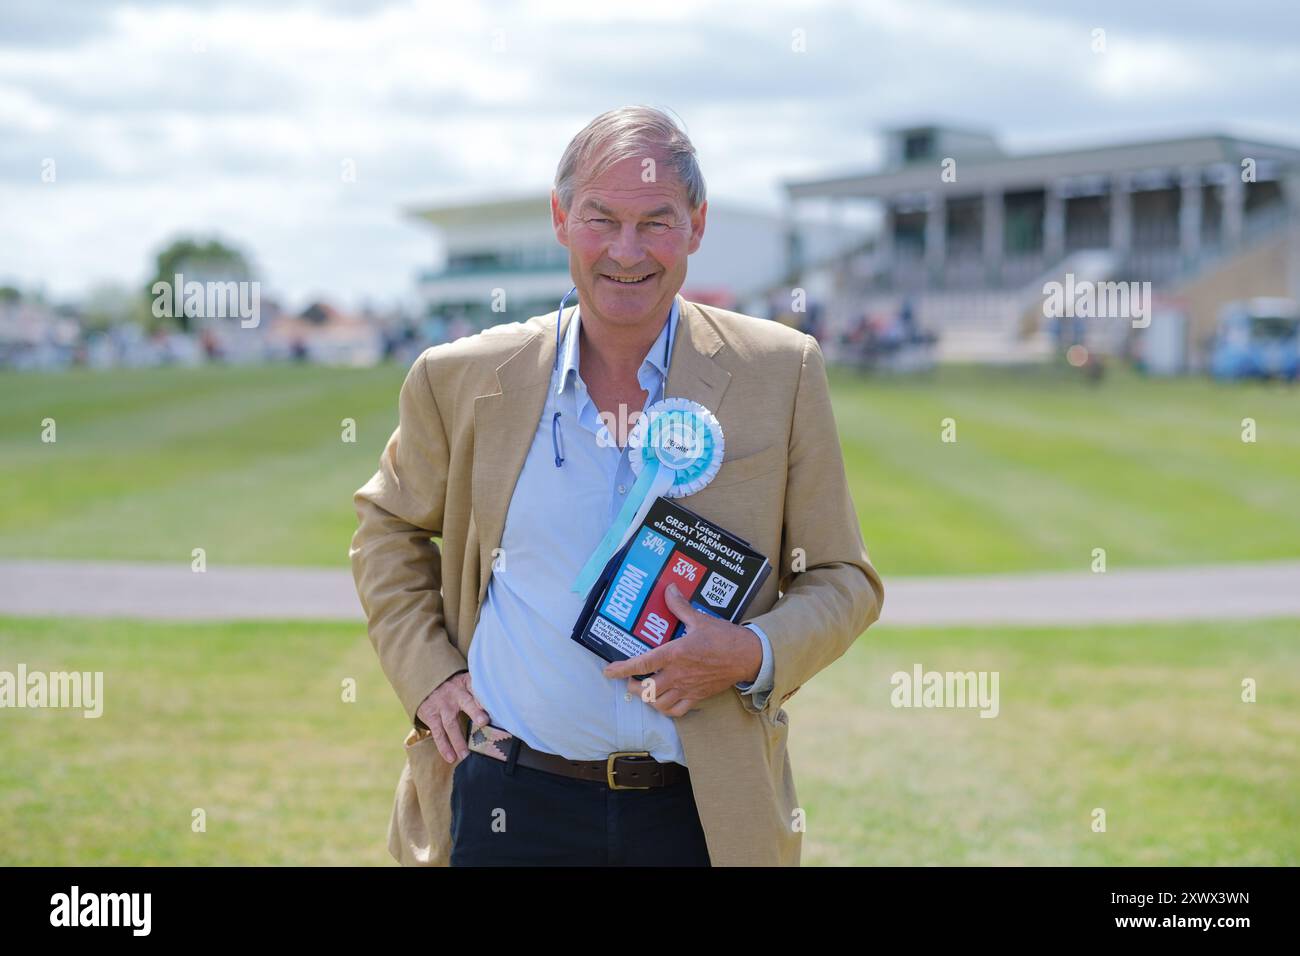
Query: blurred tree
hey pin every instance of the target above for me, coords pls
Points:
(197, 260)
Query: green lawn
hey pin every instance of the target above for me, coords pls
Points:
(248, 464)
(1145, 722)
(245, 721)
(1046, 468)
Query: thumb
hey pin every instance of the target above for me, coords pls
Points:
(677, 603)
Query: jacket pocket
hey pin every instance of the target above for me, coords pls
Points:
(419, 832)
(776, 716)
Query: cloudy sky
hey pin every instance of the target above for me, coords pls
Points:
(239, 118)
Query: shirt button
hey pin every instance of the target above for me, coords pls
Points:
(622, 489)
(627, 695)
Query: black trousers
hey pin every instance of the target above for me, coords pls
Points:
(506, 815)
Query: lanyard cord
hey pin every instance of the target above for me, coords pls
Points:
(557, 445)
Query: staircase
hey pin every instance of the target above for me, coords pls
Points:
(1007, 326)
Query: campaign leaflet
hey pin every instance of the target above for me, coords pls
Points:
(627, 612)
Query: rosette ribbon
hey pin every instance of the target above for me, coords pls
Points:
(675, 449)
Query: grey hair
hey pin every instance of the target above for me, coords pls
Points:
(629, 131)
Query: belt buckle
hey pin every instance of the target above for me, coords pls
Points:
(609, 768)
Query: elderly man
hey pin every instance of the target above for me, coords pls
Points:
(511, 449)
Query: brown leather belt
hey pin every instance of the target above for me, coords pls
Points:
(625, 770)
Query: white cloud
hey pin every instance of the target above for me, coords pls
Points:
(234, 118)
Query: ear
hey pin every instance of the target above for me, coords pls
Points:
(559, 220)
(697, 226)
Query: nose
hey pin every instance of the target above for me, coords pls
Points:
(626, 248)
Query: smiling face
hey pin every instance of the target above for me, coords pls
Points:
(628, 241)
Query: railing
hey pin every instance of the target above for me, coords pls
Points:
(1156, 256)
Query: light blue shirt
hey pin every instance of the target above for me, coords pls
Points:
(530, 676)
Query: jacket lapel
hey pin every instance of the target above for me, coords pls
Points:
(692, 371)
(505, 420)
(504, 424)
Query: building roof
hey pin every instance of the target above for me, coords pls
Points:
(530, 206)
(536, 207)
(1032, 169)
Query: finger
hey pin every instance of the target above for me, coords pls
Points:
(664, 702)
(440, 741)
(469, 704)
(428, 712)
(646, 663)
(451, 724)
(686, 612)
(681, 708)
(649, 689)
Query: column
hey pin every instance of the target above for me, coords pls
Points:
(1189, 216)
(1234, 209)
(936, 233)
(1291, 194)
(994, 231)
(1121, 215)
(1053, 225)
(885, 241)
(793, 252)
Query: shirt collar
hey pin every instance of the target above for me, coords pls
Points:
(569, 350)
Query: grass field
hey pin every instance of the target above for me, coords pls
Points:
(246, 721)
(248, 464)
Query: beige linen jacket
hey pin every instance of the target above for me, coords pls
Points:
(468, 411)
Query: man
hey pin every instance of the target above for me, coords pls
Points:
(513, 453)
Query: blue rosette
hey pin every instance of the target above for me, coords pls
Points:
(682, 435)
(675, 449)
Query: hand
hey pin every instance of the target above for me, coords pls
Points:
(441, 711)
(710, 657)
